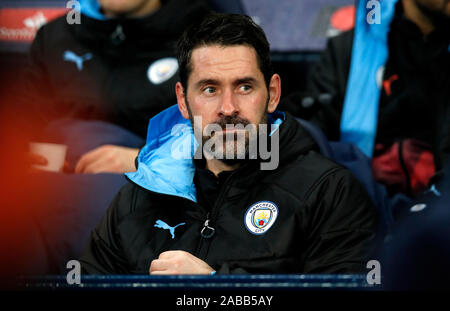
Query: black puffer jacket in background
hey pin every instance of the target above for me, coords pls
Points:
(415, 97)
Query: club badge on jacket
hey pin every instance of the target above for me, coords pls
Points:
(260, 217)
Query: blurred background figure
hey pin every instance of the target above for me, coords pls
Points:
(385, 87)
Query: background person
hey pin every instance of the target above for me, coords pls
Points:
(389, 85)
(185, 216)
(117, 66)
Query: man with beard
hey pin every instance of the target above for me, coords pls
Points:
(190, 210)
(390, 83)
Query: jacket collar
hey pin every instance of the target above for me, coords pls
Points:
(165, 163)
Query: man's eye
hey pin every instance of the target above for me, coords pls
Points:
(209, 90)
(245, 88)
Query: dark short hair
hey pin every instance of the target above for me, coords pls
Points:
(224, 30)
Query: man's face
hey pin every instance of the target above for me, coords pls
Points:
(226, 86)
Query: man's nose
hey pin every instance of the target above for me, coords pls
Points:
(228, 104)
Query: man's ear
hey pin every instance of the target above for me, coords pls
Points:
(181, 100)
(274, 93)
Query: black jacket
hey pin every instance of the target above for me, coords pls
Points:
(111, 84)
(325, 224)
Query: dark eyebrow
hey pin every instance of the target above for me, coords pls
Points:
(246, 80)
(206, 81)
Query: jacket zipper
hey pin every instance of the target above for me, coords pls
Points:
(208, 231)
(117, 37)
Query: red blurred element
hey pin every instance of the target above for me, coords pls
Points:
(423, 170)
(344, 18)
(389, 165)
(20, 191)
(21, 24)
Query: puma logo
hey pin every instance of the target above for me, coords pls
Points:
(434, 190)
(70, 56)
(161, 224)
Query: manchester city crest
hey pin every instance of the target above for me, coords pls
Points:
(260, 217)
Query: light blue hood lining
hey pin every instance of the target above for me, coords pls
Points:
(369, 53)
(91, 8)
(166, 161)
